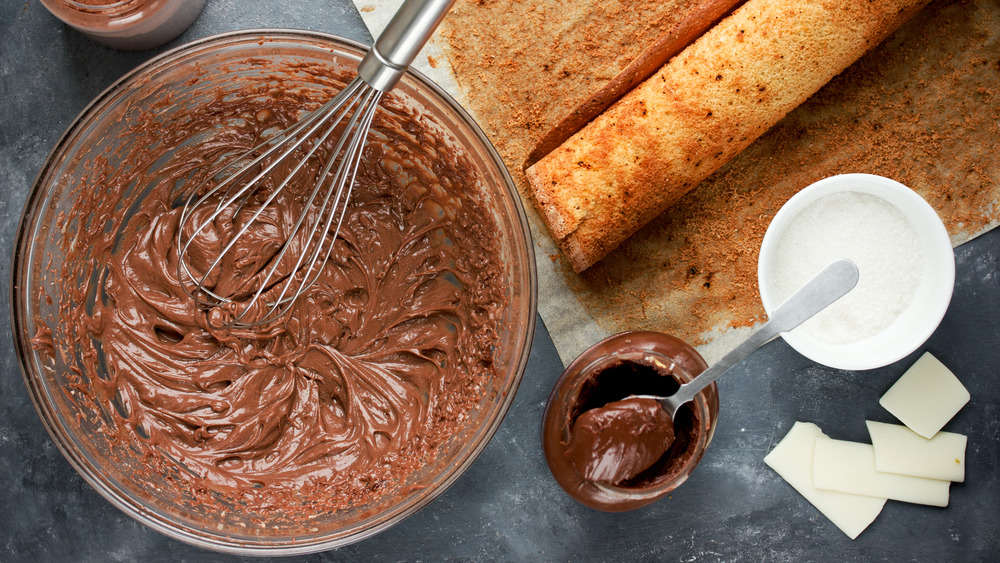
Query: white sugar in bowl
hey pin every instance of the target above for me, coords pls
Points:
(904, 256)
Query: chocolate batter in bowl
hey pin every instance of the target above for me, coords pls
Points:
(329, 424)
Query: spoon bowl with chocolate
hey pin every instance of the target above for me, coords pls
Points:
(626, 440)
(341, 418)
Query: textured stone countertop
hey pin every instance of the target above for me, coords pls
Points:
(507, 506)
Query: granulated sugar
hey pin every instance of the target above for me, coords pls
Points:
(872, 233)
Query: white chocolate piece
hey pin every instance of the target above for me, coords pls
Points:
(792, 458)
(901, 450)
(926, 397)
(849, 467)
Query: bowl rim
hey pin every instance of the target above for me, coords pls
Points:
(52, 419)
(940, 252)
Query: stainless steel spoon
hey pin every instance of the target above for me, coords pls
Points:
(829, 285)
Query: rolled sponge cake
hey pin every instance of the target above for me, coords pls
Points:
(698, 111)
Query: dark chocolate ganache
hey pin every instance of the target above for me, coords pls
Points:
(620, 440)
(611, 450)
(377, 364)
(616, 438)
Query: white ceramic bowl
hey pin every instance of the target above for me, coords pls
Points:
(914, 325)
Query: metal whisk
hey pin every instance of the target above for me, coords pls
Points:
(263, 286)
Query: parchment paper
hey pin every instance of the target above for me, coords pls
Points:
(922, 108)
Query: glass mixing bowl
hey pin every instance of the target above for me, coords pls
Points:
(164, 499)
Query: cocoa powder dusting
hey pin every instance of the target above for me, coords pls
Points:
(920, 108)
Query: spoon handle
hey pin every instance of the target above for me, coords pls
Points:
(829, 285)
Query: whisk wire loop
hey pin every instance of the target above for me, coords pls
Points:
(236, 197)
(317, 235)
(357, 104)
(343, 183)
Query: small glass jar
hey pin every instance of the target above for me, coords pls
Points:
(658, 363)
(127, 24)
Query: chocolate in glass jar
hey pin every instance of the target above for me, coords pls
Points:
(127, 24)
(601, 380)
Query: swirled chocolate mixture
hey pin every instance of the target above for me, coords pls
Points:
(375, 367)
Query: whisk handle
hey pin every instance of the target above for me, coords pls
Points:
(402, 39)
